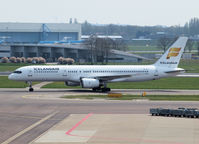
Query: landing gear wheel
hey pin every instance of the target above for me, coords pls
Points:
(106, 89)
(97, 89)
(30, 86)
(103, 90)
(31, 89)
(94, 89)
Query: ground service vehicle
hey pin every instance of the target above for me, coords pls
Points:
(180, 112)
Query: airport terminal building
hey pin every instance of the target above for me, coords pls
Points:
(39, 40)
(49, 40)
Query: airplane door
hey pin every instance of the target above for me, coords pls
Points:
(30, 73)
(156, 74)
(65, 73)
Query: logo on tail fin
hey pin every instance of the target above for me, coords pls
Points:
(173, 52)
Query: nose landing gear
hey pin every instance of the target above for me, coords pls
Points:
(31, 89)
(30, 86)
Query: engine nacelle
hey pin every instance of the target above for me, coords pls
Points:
(68, 83)
(90, 83)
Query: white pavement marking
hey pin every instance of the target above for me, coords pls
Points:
(28, 128)
(54, 136)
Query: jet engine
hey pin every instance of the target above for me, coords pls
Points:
(90, 83)
(68, 83)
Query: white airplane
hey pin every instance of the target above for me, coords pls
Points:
(97, 77)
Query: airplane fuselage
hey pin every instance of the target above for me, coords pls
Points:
(76, 72)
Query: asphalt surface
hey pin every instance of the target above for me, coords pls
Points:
(5, 73)
(24, 116)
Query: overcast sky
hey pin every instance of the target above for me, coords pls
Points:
(133, 12)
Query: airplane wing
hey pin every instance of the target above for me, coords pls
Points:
(175, 71)
(111, 77)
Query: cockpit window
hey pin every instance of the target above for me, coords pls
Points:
(18, 72)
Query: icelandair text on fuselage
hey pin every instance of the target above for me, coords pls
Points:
(46, 70)
(168, 62)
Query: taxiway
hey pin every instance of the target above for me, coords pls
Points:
(25, 116)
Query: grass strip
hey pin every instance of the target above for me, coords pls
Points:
(6, 83)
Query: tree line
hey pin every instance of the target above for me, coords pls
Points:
(100, 48)
(128, 32)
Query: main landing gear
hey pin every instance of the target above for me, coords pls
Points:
(104, 89)
(30, 86)
(101, 89)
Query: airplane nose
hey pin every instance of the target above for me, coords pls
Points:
(10, 77)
